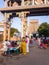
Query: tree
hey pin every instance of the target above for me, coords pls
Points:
(44, 29)
(12, 31)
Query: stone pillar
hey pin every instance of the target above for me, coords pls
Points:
(22, 2)
(24, 26)
(21, 28)
(33, 2)
(24, 22)
(4, 34)
(9, 33)
(5, 16)
(22, 15)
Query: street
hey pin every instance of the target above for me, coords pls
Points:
(36, 56)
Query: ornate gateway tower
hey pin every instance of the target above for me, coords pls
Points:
(22, 9)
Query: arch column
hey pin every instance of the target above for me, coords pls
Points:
(9, 32)
(24, 26)
(6, 34)
(5, 30)
(8, 26)
(22, 15)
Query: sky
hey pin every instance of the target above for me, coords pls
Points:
(17, 21)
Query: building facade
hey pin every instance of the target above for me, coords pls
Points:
(33, 26)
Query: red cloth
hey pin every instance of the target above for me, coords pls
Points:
(45, 46)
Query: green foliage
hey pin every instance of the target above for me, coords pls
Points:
(12, 31)
(44, 29)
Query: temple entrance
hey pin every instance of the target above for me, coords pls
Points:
(22, 9)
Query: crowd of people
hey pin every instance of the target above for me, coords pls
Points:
(19, 46)
(22, 46)
(39, 42)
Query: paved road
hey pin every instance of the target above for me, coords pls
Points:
(35, 57)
